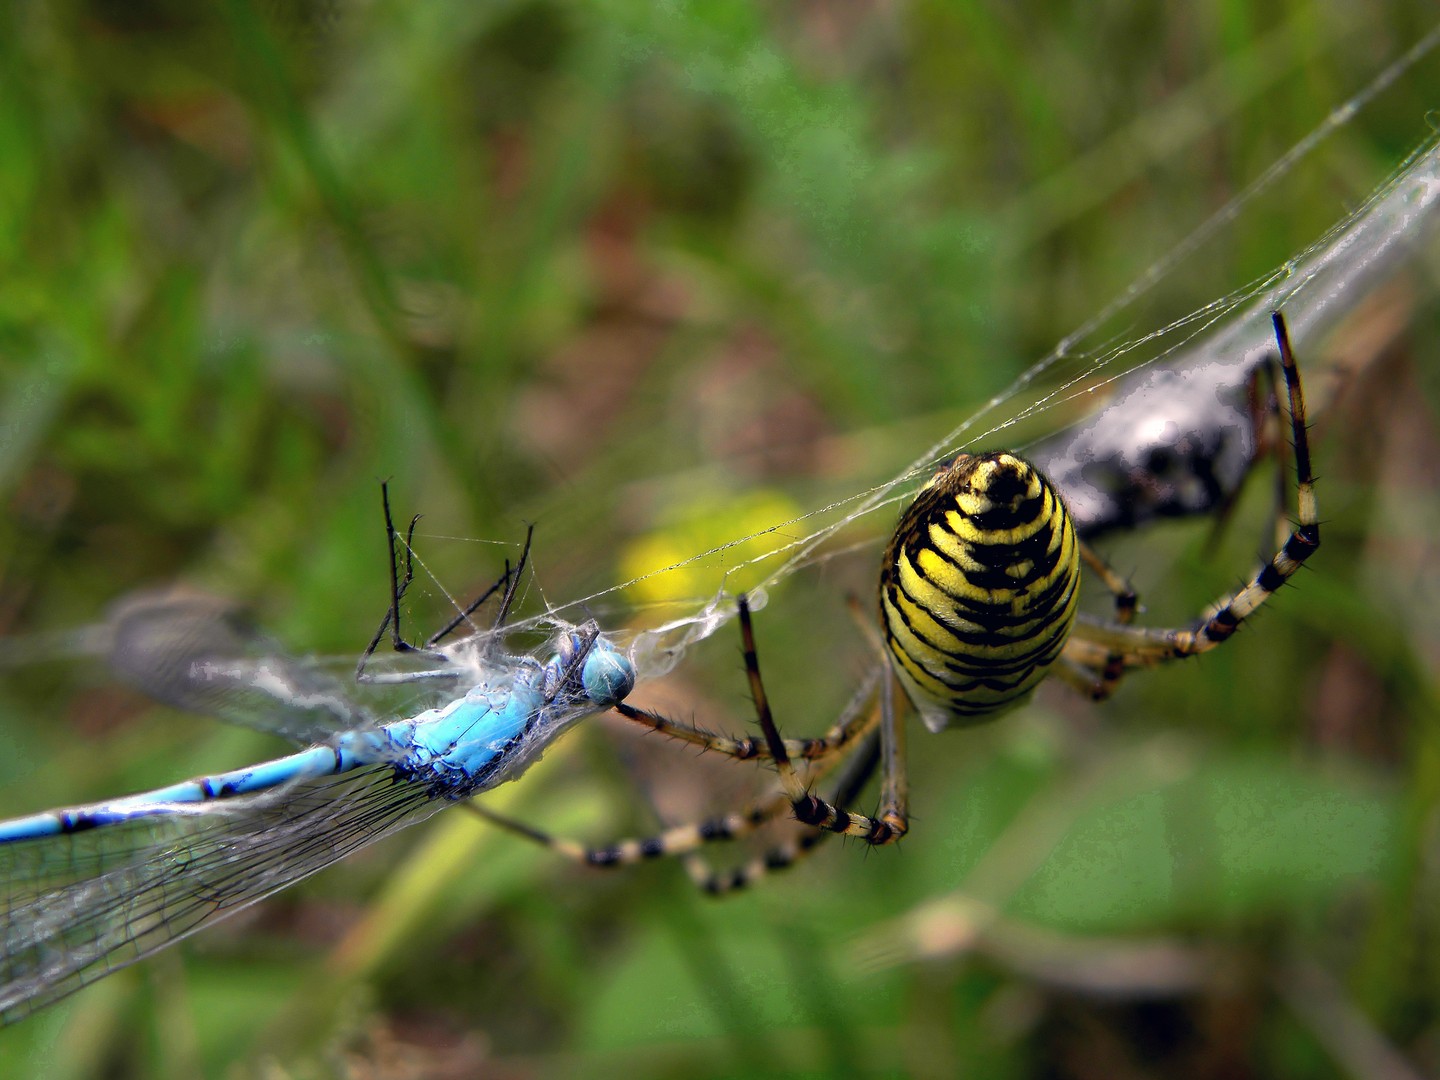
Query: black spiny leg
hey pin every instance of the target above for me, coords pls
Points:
(509, 581)
(400, 583)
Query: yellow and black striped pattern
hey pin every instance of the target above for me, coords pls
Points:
(979, 588)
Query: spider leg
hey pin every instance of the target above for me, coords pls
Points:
(1263, 409)
(685, 841)
(668, 843)
(854, 722)
(891, 823)
(1142, 646)
(783, 856)
(1099, 681)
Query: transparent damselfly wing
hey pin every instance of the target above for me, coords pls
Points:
(88, 889)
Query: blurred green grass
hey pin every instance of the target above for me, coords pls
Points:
(592, 265)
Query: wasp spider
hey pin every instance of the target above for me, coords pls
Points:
(978, 604)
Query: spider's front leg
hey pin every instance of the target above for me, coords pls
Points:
(1142, 646)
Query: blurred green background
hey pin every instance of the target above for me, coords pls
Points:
(653, 277)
